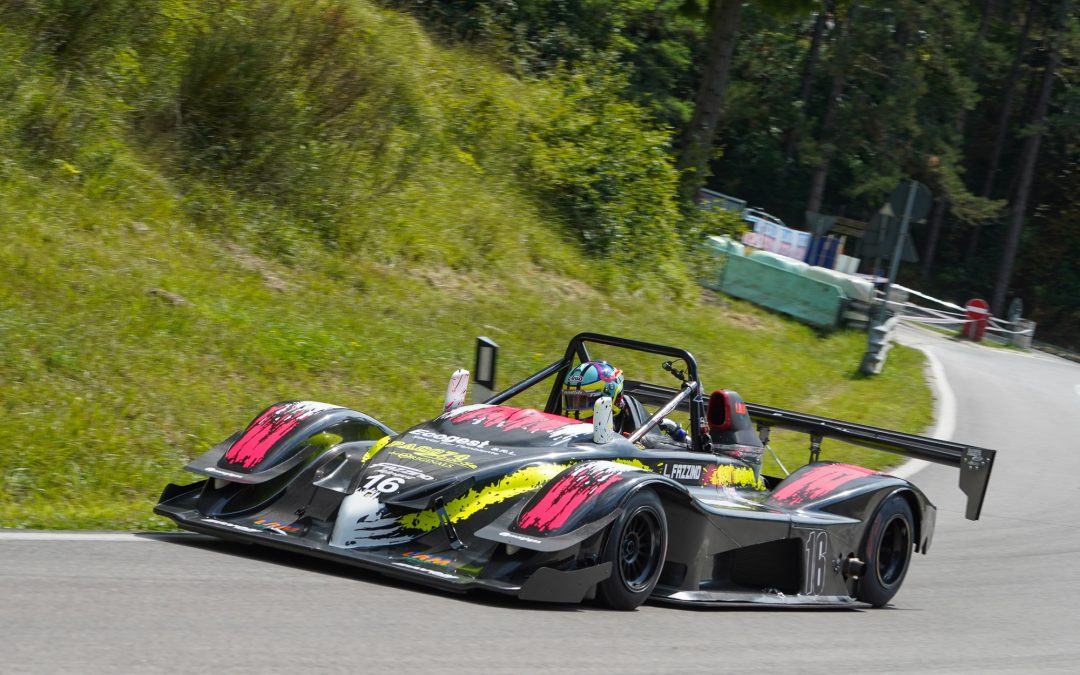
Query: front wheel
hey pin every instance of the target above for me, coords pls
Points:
(887, 551)
(636, 545)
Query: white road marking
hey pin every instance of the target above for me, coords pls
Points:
(946, 414)
(1077, 389)
(27, 535)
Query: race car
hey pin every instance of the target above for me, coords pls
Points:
(547, 507)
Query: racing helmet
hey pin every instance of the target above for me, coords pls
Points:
(589, 382)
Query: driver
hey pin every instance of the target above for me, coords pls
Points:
(588, 383)
(592, 380)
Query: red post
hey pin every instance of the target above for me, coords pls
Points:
(978, 315)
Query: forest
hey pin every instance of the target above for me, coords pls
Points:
(800, 106)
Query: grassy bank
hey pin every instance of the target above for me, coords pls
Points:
(207, 206)
(133, 345)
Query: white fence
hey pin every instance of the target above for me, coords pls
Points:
(920, 308)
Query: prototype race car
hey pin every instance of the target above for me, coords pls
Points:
(535, 504)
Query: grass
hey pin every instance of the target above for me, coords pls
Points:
(132, 344)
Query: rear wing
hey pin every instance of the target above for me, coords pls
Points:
(974, 463)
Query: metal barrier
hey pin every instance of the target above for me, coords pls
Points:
(954, 317)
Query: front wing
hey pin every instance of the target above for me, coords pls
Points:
(547, 584)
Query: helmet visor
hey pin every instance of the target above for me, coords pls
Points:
(580, 400)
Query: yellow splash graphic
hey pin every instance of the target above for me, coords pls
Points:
(379, 445)
(727, 475)
(636, 463)
(473, 501)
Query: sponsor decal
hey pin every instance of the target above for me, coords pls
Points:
(425, 570)
(747, 453)
(425, 453)
(427, 559)
(400, 471)
(267, 524)
(458, 442)
(726, 475)
(818, 482)
(384, 478)
(519, 537)
(521, 481)
(225, 523)
(268, 429)
(564, 497)
(373, 450)
(683, 471)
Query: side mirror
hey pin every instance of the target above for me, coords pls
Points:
(455, 391)
(603, 421)
(484, 387)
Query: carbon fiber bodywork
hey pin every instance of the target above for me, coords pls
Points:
(520, 501)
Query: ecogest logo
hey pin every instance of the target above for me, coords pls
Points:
(436, 437)
(430, 455)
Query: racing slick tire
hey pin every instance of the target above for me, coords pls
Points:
(636, 546)
(887, 551)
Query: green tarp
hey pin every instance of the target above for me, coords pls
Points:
(772, 285)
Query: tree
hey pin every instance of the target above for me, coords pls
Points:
(698, 138)
(1028, 158)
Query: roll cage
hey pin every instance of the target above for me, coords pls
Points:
(689, 398)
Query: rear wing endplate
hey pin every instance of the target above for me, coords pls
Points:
(974, 463)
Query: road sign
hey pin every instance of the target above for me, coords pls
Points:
(880, 239)
(920, 201)
(819, 223)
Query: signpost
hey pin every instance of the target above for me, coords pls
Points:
(909, 201)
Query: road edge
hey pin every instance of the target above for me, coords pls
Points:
(944, 408)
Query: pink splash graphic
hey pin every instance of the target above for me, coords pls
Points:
(819, 482)
(507, 419)
(565, 496)
(268, 429)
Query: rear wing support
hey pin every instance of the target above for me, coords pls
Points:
(974, 463)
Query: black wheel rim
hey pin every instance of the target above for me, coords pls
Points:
(639, 549)
(893, 551)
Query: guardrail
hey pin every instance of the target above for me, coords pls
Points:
(952, 316)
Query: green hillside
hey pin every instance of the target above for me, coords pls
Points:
(207, 207)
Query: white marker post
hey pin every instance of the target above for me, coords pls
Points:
(455, 391)
(603, 421)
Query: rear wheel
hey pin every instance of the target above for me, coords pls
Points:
(887, 551)
(636, 545)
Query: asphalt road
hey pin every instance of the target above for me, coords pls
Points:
(997, 595)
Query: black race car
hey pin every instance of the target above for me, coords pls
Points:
(534, 504)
